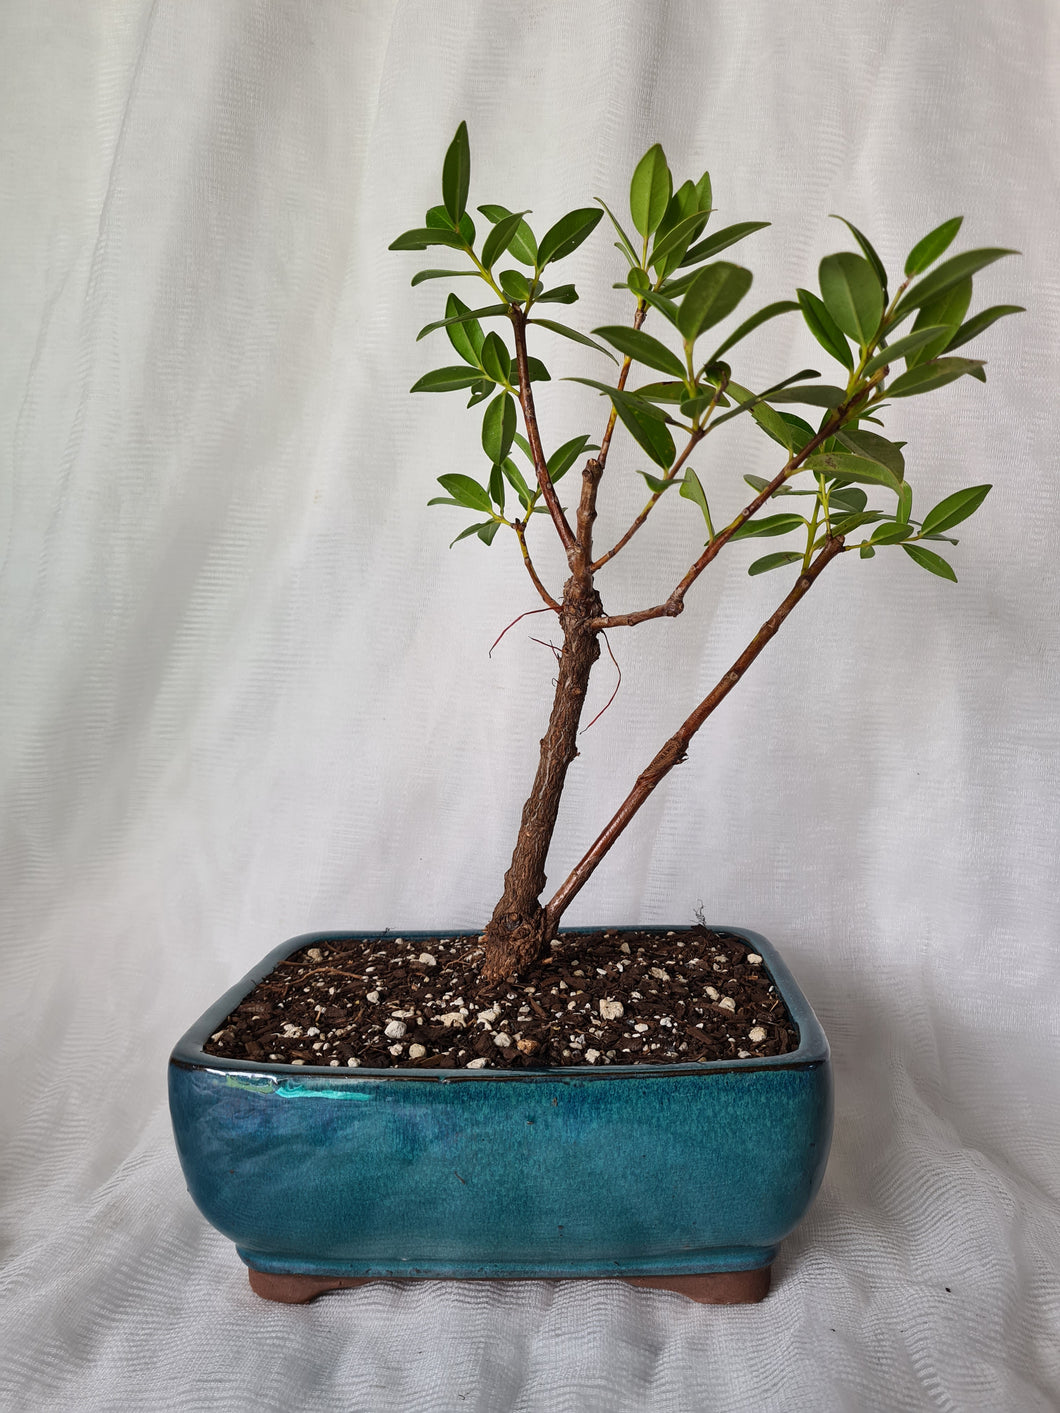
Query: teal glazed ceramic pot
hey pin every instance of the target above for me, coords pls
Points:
(646, 1172)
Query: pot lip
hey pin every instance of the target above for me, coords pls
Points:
(188, 1053)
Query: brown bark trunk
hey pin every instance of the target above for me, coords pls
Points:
(517, 934)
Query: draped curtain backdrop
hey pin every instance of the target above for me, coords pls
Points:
(248, 693)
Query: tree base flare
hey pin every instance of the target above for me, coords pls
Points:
(514, 944)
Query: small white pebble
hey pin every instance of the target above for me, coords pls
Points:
(488, 1016)
(395, 1029)
(402, 1015)
(298, 1062)
(753, 959)
(292, 1031)
(457, 1018)
(612, 1010)
(318, 1045)
(427, 959)
(712, 992)
(396, 1049)
(479, 1064)
(353, 1063)
(640, 1027)
(756, 1034)
(624, 948)
(592, 1056)
(372, 996)
(636, 996)
(502, 1040)
(275, 1057)
(313, 1030)
(727, 1003)
(315, 954)
(659, 974)
(333, 1063)
(417, 1052)
(743, 1054)
(217, 1035)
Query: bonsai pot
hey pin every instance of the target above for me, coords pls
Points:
(678, 1176)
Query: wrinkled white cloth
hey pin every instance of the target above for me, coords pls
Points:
(247, 689)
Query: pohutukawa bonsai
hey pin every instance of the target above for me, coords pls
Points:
(670, 390)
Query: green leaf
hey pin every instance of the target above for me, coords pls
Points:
(496, 360)
(515, 285)
(978, 322)
(712, 295)
(500, 238)
(676, 240)
(423, 236)
(637, 281)
(480, 391)
(824, 328)
(866, 552)
(774, 561)
(770, 311)
(498, 427)
(905, 504)
(567, 234)
(869, 253)
(774, 425)
(954, 509)
(901, 348)
(626, 245)
(445, 380)
(471, 530)
(925, 377)
(575, 335)
(490, 311)
(487, 531)
(421, 275)
(770, 525)
(813, 395)
(643, 348)
(456, 174)
(666, 307)
(637, 399)
(537, 370)
(662, 392)
(522, 246)
(853, 468)
(852, 294)
(653, 436)
(564, 457)
(657, 485)
(875, 447)
(649, 191)
(946, 309)
(928, 250)
(950, 272)
(747, 400)
(855, 521)
(497, 488)
(562, 294)
(696, 406)
(437, 218)
(928, 559)
(891, 533)
(848, 499)
(692, 489)
(720, 240)
(515, 479)
(466, 334)
(466, 492)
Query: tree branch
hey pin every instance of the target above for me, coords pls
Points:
(696, 437)
(520, 532)
(675, 749)
(526, 399)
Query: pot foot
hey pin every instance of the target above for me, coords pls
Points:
(299, 1290)
(714, 1288)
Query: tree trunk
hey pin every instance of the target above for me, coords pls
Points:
(517, 934)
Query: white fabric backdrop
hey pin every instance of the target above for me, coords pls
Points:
(247, 691)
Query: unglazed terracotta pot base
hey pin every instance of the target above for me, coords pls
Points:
(715, 1288)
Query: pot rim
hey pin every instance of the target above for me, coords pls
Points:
(188, 1053)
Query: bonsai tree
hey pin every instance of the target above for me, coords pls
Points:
(668, 391)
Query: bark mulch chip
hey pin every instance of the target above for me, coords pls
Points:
(601, 998)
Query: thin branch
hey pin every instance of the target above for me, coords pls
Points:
(627, 363)
(520, 533)
(696, 437)
(676, 748)
(526, 399)
(672, 606)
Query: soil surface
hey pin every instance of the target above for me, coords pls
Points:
(602, 998)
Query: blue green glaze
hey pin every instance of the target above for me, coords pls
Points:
(627, 1170)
